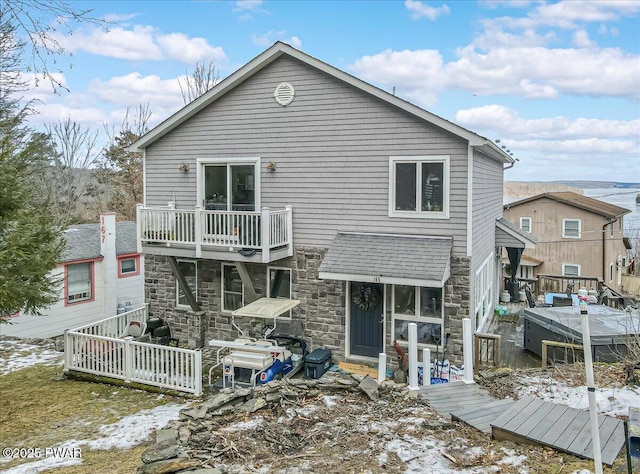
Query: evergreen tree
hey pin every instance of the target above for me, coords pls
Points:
(30, 244)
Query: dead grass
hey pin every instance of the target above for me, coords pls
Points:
(39, 408)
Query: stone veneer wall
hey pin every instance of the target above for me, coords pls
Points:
(321, 310)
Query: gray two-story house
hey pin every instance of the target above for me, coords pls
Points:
(353, 211)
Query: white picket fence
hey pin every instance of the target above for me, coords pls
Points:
(98, 349)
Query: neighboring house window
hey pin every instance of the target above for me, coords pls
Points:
(279, 284)
(189, 269)
(232, 288)
(620, 224)
(525, 224)
(525, 272)
(611, 230)
(79, 282)
(422, 306)
(571, 228)
(419, 186)
(570, 269)
(128, 266)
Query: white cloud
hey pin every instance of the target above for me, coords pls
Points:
(248, 4)
(267, 39)
(135, 88)
(119, 18)
(581, 39)
(180, 47)
(419, 9)
(140, 43)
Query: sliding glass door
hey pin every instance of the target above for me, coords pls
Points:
(229, 187)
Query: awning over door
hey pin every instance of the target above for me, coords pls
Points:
(400, 260)
(510, 236)
(266, 308)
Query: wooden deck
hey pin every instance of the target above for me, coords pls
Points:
(528, 420)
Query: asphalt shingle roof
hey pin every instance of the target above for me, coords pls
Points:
(580, 201)
(410, 258)
(83, 241)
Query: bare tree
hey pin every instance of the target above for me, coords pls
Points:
(76, 154)
(121, 168)
(39, 21)
(202, 79)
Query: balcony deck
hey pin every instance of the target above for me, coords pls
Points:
(264, 236)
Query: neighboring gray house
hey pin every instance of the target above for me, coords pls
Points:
(293, 179)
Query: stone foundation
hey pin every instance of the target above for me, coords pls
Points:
(321, 312)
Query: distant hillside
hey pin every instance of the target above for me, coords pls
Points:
(598, 184)
(520, 189)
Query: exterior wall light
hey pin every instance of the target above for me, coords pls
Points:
(184, 167)
(271, 166)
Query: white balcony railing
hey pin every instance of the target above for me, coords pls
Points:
(265, 230)
(100, 349)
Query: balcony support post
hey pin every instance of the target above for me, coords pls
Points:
(289, 209)
(197, 224)
(265, 234)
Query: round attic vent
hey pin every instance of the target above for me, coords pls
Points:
(284, 93)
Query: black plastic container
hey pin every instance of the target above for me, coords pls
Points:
(317, 363)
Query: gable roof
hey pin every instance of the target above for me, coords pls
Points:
(505, 230)
(274, 52)
(83, 241)
(580, 201)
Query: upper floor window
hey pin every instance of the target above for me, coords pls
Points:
(189, 269)
(611, 273)
(570, 269)
(128, 266)
(611, 230)
(571, 228)
(79, 282)
(229, 184)
(419, 186)
(232, 288)
(525, 224)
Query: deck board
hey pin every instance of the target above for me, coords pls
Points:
(528, 420)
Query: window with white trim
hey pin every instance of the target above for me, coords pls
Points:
(570, 269)
(189, 269)
(79, 282)
(420, 305)
(279, 284)
(525, 224)
(419, 186)
(232, 288)
(571, 228)
(128, 266)
(611, 230)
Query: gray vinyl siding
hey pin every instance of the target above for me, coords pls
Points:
(331, 146)
(487, 207)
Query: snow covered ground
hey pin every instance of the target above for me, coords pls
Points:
(420, 454)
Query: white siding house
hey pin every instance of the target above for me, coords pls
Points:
(100, 270)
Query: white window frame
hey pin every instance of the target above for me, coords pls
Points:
(223, 291)
(525, 272)
(611, 230)
(564, 229)
(286, 269)
(87, 295)
(416, 318)
(419, 160)
(526, 219)
(202, 162)
(565, 265)
(195, 294)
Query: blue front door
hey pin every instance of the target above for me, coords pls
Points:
(366, 328)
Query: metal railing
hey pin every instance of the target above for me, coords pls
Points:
(100, 349)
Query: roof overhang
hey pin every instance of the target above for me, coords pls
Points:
(524, 239)
(391, 259)
(274, 52)
(267, 308)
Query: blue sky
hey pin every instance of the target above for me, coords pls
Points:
(557, 82)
